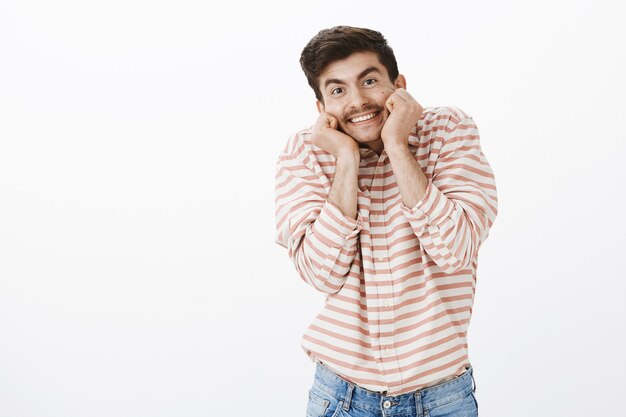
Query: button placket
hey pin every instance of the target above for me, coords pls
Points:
(380, 262)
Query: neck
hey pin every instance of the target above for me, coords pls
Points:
(375, 145)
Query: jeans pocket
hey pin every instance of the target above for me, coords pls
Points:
(316, 406)
(338, 411)
(323, 405)
(464, 406)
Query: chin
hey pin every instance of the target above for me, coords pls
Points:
(367, 138)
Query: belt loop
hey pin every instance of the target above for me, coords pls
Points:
(418, 403)
(346, 403)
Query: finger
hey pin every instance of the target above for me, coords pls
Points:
(410, 98)
(331, 121)
(390, 103)
(403, 94)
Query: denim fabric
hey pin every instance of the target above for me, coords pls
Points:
(333, 396)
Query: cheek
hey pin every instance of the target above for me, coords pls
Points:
(380, 95)
(330, 107)
(334, 110)
(385, 93)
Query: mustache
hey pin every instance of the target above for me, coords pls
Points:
(366, 109)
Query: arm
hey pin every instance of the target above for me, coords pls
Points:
(319, 228)
(343, 192)
(408, 174)
(452, 214)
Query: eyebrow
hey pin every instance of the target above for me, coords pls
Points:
(363, 73)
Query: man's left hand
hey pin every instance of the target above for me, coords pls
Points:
(404, 112)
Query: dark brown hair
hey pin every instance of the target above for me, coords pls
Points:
(340, 42)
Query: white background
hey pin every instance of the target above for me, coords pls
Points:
(138, 140)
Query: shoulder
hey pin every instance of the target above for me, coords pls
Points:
(299, 147)
(445, 114)
(437, 121)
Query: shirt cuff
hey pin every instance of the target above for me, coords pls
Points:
(336, 226)
(431, 210)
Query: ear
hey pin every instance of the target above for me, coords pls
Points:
(400, 82)
(320, 106)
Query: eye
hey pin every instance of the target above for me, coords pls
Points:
(369, 82)
(335, 91)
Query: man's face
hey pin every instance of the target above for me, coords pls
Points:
(355, 90)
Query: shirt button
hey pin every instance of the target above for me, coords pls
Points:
(387, 351)
(386, 303)
(387, 404)
(380, 259)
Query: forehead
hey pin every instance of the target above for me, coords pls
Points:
(349, 68)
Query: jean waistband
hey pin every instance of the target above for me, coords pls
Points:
(429, 397)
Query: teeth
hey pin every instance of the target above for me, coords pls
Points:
(362, 118)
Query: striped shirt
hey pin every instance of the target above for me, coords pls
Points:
(399, 281)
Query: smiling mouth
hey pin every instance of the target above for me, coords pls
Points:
(363, 118)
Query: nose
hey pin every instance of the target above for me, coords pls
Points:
(357, 99)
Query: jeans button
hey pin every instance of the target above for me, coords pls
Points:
(387, 404)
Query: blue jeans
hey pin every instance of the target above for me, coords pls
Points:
(333, 396)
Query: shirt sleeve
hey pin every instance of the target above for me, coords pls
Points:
(459, 207)
(321, 240)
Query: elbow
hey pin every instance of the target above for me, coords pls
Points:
(328, 287)
(451, 264)
(456, 259)
(319, 276)
(457, 265)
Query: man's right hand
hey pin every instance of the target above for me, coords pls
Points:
(326, 136)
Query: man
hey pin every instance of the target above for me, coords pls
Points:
(383, 206)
